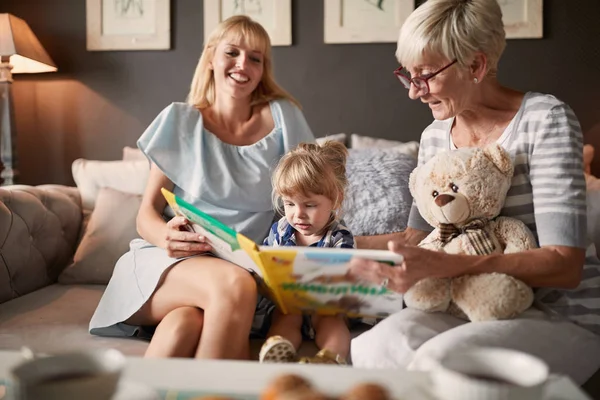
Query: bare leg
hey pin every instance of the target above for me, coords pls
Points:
(288, 326)
(225, 292)
(332, 333)
(178, 334)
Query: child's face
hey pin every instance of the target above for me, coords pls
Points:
(308, 215)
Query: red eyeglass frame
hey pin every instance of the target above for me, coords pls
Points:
(407, 80)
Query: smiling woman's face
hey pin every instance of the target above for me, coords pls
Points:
(237, 68)
(447, 95)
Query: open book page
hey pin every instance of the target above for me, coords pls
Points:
(310, 279)
(224, 240)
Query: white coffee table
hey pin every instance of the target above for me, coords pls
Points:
(246, 379)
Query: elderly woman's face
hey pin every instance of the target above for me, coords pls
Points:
(446, 96)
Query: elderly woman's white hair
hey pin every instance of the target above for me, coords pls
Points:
(456, 29)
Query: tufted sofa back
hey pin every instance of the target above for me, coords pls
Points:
(39, 230)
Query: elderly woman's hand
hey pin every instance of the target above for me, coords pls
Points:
(418, 264)
(181, 242)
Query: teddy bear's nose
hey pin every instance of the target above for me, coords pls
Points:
(443, 199)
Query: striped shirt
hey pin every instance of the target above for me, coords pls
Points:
(547, 192)
(284, 234)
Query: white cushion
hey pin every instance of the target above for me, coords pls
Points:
(132, 154)
(337, 137)
(125, 176)
(368, 142)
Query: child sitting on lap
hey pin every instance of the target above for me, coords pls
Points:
(310, 182)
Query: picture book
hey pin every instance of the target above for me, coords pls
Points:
(298, 279)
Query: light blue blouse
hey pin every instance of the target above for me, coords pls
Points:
(230, 183)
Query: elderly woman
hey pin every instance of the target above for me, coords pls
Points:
(449, 52)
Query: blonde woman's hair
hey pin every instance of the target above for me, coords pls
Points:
(236, 29)
(455, 29)
(312, 169)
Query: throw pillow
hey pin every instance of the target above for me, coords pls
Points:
(125, 176)
(367, 142)
(110, 229)
(132, 154)
(377, 198)
(338, 137)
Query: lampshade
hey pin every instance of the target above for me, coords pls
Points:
(20, 44)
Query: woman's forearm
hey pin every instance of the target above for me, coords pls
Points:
(553, 266)
(152, 227)
(376, 242)
(408, 237)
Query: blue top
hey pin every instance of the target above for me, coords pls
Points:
(283, 234)
(230, 183)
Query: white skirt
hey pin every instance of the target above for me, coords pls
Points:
(134, 280)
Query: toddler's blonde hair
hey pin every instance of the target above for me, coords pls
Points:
(312, 169)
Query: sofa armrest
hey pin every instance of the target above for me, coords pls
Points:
(39, 230)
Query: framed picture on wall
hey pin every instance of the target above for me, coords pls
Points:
(365, 21)
(128, 25)
(274, 15)
(522, 18)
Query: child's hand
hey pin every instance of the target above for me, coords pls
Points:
(181, 241)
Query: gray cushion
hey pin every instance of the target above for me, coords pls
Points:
(377, 198)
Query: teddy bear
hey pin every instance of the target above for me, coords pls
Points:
(460, 193)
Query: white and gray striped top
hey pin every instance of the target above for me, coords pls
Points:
(547, 192)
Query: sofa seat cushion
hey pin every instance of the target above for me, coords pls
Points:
(55, 319)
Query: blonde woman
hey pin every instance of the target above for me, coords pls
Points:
(448, 52)
(215, 151)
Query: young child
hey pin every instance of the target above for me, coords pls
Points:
(310, 182)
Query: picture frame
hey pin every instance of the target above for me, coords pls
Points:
(523, 19)
(128, 25)
(274, 15)
(365, 21)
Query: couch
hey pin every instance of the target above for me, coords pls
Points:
(58, 244)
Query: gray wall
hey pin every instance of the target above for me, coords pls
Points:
(99, 102)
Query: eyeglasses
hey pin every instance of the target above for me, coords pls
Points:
(420, 82)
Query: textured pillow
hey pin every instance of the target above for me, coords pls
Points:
(132, 154)
(338, 137)
(367, 142)
(110, 229)
(125, 176)
(377, 198)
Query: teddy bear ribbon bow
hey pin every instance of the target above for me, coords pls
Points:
(475, 232)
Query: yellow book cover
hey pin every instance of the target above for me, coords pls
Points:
(298, 279)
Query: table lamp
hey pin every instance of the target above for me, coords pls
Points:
(20, 52)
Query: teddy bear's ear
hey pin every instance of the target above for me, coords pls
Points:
(412, 182)
(499, 157)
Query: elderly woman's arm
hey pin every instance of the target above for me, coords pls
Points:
(408, 237)
(552, 266)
